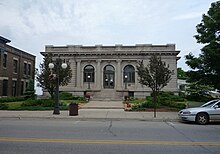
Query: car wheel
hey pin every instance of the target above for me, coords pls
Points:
(202, 118)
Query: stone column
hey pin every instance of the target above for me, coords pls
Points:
(119, 75)
(74, 75)
(78, 74)
(98, 74)
(136, 77)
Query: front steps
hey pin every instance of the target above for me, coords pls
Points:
(103, 105)
(107, 95)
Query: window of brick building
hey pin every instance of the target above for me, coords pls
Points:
(14, 88)
(15, 66)
(22, 88)
(25, 68)
(29, 69)
(5, 88)
(5, 56)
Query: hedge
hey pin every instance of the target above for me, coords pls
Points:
(11, 99)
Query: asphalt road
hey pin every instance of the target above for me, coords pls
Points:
(67, 136)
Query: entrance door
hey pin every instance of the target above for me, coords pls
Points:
(109, 77)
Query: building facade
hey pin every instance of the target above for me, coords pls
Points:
(16, 69)
(109, 72)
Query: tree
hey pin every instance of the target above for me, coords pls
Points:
(30, 92)
(206, 67)
(196, 91)
(156, 75)
(181, 74)
(47, 79)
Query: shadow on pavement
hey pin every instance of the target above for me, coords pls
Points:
(194, 123)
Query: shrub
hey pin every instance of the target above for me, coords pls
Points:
(149, 104)
(80, 98)
(182, 94)
(148, 98)
(65, 96)
(132, 99)
(136, 107)
(33, 108)
(69, 96)
(3, 106)
(165, 98)
(11, 99)
(144, 105)
(39, 102)
(169, 99)
(179, 105)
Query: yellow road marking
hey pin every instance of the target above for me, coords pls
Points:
(134, 142)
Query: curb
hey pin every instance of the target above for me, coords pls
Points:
(88, 107)
(92, 119)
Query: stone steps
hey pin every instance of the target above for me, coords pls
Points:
(103, 105)
(107, 94)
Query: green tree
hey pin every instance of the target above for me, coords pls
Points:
(30, 91)
(47, 78)
(181, 74)
(156, 75)
(195, 91)
(206, 67)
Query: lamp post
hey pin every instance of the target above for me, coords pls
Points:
(89, 81)
(126, 79)
(56, 99)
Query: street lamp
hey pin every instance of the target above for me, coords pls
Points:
(89, 81)
(126, 81)
(56, 100)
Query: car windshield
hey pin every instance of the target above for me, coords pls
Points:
(210, 103)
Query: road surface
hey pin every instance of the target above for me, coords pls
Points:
(38, 136)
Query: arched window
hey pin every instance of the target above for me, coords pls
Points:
(89, 73)
(129, 74)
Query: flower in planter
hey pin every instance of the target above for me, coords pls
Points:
(128, 104)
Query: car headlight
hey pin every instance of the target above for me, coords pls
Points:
(186, 112)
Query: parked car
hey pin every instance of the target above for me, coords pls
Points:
(209, 111)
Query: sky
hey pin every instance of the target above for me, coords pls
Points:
(32, 24)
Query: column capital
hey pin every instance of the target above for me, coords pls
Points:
(78, 60)
(118, 60)
(98, 60)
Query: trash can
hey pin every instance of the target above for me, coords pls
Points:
(73, 109)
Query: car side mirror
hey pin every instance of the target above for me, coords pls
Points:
(216, 106)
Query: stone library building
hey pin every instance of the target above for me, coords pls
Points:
(109, 72)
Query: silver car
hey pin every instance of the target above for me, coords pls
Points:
(209, 111)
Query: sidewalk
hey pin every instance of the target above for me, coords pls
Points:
(92, 114)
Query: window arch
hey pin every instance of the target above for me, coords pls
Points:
(129, 74)
(89, 73)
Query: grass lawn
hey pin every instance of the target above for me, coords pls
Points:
(14, 105)
(17, 105)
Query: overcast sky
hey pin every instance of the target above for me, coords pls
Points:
(32, 24)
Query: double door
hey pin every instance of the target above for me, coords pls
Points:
(109, 77)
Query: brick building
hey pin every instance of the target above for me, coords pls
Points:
(109, 72)
(16, 69)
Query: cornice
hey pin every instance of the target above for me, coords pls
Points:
(70, 54)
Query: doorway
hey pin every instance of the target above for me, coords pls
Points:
(109, 77)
